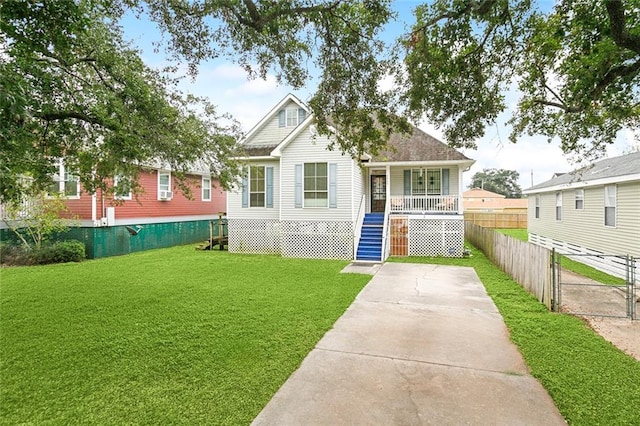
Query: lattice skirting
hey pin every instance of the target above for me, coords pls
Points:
(254, 236)
(317, 239)
(308, 239)
(436, 237)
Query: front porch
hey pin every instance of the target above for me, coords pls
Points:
(424, 204)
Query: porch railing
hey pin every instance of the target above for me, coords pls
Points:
(359, 220)
(424, 204)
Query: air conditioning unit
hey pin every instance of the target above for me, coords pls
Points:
(166, 195)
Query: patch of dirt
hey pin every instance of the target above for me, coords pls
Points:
(592, 303)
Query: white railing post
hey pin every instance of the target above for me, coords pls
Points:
(384, 253)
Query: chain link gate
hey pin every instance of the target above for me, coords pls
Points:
(608, 296)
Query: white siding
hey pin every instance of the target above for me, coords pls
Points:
(305, 149)
(358, 189)
(234, 198)
(585, 227)
(271, 133)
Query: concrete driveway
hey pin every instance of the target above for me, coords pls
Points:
(421, 344)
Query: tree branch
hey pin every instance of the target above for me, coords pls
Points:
(619, 31)
(64, 115)
(612, 75)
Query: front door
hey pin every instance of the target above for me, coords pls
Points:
(378, 193)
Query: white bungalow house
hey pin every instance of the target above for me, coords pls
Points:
(593, 211)
(299, 199)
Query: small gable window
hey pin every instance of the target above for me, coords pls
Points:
(291, 117)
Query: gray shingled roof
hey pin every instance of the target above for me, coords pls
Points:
(419, 146)
(607, 168)
(257, 151)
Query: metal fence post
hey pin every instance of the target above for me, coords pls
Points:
(554, 293)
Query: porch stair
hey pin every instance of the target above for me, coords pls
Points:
(370, 244)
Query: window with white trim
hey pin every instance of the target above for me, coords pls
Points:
(206, 188)
(426, 182)
(256, 186)
(610, 201)
(164, 185)
(65, 183)
(122, 188)
(316, 184)
(558, 205)
(537, 206)
(291, 117)
(579, 199)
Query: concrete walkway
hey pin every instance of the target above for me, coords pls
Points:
(421, 344)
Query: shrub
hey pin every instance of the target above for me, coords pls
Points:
(15, 255)
(61, 251)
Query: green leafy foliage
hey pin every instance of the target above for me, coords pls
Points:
(500, 181)
(577, 68)
(60, 252)
(35, 220)
(72, 88)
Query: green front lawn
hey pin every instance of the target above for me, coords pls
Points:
(161, 337)
(589, 379)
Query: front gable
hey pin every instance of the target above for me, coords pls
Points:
(275, 126)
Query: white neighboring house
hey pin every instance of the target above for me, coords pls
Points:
(592, 211)
(300, 199)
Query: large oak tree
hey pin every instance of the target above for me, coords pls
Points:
(71, 86)
(577, 68)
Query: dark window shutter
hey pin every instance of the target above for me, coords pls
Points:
(445, 181)
(407, 182)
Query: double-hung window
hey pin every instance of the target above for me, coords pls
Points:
(316, 192)
(579, 199)
(164, 185)
(206, 188)
(291, 117)
(558, 205)
(610, 201)
(65, 183)
(256, 186)
(537, 206)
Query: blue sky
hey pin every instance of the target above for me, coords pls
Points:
(227, 86)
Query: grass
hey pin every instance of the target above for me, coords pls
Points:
(161, 337)
(569, 263)
(590, 380)
(520, 234)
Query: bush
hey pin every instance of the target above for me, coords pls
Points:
(16, 255)
(59, 252)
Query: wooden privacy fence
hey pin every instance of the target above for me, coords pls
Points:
(527, 264)
(497, 220)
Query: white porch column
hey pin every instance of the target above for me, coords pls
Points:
(460, 190)
(387, 179)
